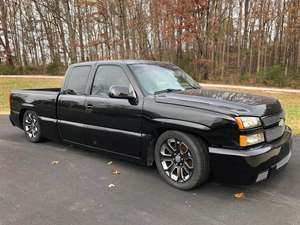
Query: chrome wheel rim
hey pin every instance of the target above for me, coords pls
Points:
(31, 125)
(176, 160)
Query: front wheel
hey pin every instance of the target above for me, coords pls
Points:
(182, 159)
(31, 126)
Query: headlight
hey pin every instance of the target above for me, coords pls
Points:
(246, 122)
(251, 139)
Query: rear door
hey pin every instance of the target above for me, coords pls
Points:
(113, 124)
(71, 104)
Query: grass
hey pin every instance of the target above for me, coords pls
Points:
(289, 101)
(9, 84)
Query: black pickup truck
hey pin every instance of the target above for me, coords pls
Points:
(149, 112)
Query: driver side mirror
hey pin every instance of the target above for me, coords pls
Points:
(122, 92)
(68, 92)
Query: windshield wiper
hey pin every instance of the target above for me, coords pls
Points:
(167, 91)
(192, 87)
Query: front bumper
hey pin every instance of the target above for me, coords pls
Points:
(252, 165)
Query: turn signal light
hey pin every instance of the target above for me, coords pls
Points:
(252, 139)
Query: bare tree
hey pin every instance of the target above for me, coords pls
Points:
(211, 39)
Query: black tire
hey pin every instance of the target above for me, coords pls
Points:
(31, 126)
(189, 169)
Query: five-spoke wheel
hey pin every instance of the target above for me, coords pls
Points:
(182, 159)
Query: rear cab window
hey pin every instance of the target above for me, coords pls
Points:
(77, 80)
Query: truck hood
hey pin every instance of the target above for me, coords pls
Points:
(225, 102)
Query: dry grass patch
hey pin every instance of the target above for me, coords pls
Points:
(9, 84)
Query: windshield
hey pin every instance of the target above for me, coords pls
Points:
(156, 78)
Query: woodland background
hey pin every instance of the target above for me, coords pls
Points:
(231, 41)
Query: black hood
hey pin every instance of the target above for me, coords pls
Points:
(227, 102)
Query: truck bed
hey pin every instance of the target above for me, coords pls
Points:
(42, 101)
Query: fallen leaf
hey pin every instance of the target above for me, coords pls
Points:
(109, 163)
(55, 162)
(115, 172)
(111, 185)
(188, 204)
(239, 195)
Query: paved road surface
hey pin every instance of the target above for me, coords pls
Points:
(75, 191)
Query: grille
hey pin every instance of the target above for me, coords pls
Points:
(274, 129)
(272, 120)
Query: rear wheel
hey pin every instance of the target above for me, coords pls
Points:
(31, 126)
(182, 159)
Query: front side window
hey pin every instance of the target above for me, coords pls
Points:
(77, 80)
(107, 76)
(159, 77)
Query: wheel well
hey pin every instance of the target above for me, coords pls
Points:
(21, 115)
(159, 132)
(162, 130)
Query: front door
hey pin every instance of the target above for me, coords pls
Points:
(71, 105)
(112, 124)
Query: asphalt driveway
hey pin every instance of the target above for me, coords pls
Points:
(55, 184)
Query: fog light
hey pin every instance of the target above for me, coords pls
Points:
(251, 139)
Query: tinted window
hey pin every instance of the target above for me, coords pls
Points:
(159, 77)
(77, 81)
(107, 76)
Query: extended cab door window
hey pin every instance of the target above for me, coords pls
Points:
(107, 76)
(77, 80)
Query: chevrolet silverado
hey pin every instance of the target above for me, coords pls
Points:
(153, 112)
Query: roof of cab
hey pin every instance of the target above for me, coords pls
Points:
(123, 62)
